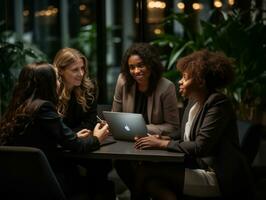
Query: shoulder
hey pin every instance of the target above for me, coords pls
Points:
(217, 98)
(164, 84)
(47, 110)
(220, 102)
(121, 80)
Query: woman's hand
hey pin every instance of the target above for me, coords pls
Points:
(84, 133)
(151, 142)
(101, 131)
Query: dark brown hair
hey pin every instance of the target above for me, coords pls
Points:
(35, 82)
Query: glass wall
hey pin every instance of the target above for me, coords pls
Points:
(101, 29)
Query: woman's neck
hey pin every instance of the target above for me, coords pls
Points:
(69, 88)
(143, 87)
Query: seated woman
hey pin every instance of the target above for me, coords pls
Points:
(140, 88)
(77, 93)
(214, 165)
(32, 120)
(78, 108)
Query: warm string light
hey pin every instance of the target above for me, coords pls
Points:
(180, 5)
(195, 6)
(82, 7)
(217, 4)
(157, 31)
(50, 11)
(156, 4)
(231, 2)
(26, 13)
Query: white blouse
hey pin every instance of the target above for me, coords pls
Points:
(198, 182)
(191, 115)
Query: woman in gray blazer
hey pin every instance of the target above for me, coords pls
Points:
(141, 89)
(214, 166)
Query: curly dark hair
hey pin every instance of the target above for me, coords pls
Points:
(150, 58)
(214, 68)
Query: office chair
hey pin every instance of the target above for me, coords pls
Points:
(25, 173)
(250, 135)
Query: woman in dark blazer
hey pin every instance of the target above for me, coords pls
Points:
(214, 166)
(32, 120)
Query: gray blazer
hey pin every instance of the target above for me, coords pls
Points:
(214, 144)
(162, 108)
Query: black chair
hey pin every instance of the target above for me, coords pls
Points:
(25, 173)
(250, 135)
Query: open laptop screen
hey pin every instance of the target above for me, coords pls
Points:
(125, 126)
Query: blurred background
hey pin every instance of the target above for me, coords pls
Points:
(34, 30)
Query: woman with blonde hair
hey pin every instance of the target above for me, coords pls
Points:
(77, 93)
(78, 107)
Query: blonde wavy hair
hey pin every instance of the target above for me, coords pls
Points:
(86, 91)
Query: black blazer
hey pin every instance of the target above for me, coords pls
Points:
(78, 119)
(214, 144)
(45, 130)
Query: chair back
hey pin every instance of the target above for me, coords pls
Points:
(25, 173)
(250, 135)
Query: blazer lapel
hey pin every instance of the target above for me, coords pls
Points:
(150, 106)
(193, 134)
(129, 104)
(185, 118)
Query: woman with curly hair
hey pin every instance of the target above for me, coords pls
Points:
(77, 93)
(214, 165)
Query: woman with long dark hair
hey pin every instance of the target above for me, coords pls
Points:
(32, 120)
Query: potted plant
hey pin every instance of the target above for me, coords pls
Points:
(14, 55)
(246, 43)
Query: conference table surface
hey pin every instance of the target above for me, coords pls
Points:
(124, 150)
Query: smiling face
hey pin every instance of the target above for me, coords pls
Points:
(138, 70)
(73, 74)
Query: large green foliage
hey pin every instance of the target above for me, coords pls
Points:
(86, 43)
(246, 43)
(14, 55)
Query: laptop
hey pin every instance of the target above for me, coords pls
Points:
(125, 126)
